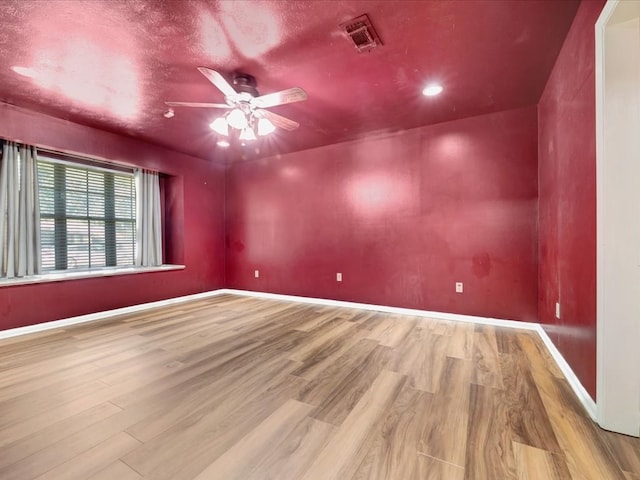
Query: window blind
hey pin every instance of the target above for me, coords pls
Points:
(87, 216)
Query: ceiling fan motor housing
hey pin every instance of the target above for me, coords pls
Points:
(245, 83)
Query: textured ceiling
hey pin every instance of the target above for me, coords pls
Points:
(112, 64)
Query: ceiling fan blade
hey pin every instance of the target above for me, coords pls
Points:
(219, 81)
(291, 95)
(197, 104)
(278, 120)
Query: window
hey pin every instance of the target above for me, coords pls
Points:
(87, 216)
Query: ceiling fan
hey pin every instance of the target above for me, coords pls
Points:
(248, 112)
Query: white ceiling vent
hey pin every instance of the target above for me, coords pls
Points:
(362, 33)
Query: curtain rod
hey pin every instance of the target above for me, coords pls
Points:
(88, 161)
(97, 161)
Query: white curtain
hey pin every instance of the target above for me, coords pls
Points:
(148, 219)
(19, 212)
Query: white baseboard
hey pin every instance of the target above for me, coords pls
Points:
(578, 388)
(383, 308)
(92, 317)
(587, 402)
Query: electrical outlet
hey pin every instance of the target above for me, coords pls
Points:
(558, 310)
(256, 273)
(338, 277)
(459, 287)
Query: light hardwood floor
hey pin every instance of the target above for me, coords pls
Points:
(239, 388)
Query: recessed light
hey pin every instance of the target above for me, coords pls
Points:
(223, 143)
(169, 113)
(432, 90)
(24, 71)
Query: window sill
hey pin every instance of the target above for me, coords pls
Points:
(107, 272)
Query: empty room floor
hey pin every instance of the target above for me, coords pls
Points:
(233, 387)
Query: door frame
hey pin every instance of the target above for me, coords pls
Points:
(617, 73)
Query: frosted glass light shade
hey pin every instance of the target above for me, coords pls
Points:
(220, 126)
(247, 134)
(265, 127)
(237, 119)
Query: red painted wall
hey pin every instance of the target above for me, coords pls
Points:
(195, 207)
(403, 217)
(567, 203)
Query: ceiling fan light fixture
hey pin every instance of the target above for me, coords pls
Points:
(245, 107)
(265, 127)
(219, 125)
(432, 90)
(247, 134)
(237, 119)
